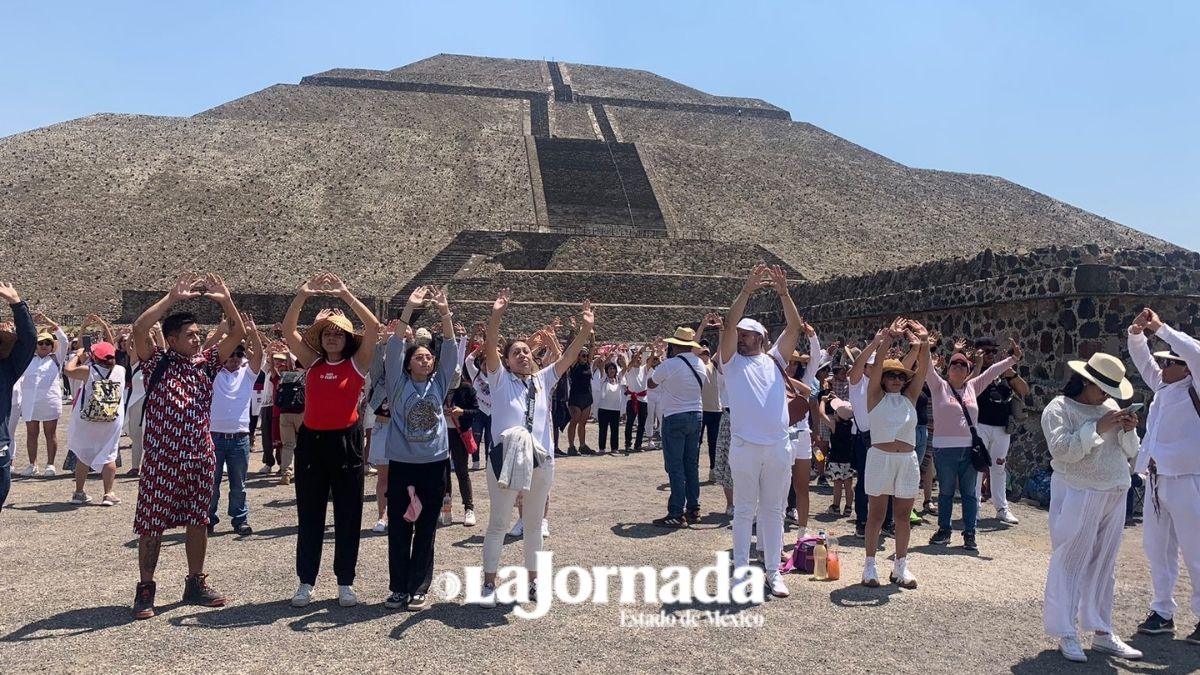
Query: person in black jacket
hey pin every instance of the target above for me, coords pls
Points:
(461, 407)
(16, 351)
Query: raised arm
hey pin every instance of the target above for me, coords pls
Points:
(874, 371)
(78, 366)
(756, 280)
(216, 290)
(997, 369)
(568, 358)
(787, 342)
(491, 335)
(254, 345)
(217, 334)
(291, 321)
(919, 343)
(1186, 347)
(333, 285)
(184, 289)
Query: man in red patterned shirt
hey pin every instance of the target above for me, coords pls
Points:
(177, 469)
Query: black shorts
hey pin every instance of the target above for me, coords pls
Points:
(581, 401)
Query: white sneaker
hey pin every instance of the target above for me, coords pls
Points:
(475, 464)
(264, 469)
(303, 596)
(793, 515)
(901, 576)
(545, 529)
(1111, 644)
(729, 511)
(487, 596)
(372, 471)
(1007, 517)
(1071, 649)
(740, 581)
(469, 518)
(776, 586)
(50, 472)
(30, 470)
(518, 530)
(110, 500)
(80, 498)
(380, 526)
(346, 596)
(870, 577)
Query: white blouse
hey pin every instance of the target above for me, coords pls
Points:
(1085, 459)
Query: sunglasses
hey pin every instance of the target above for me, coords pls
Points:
(990, 350)
(959, 364)
(46, 343)
(895, 375)
(1167, 363)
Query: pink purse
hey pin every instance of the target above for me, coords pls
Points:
(414, 506)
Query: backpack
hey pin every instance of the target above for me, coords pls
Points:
(1037, 487)
(104, 404)
(802, 561)
(289, 395)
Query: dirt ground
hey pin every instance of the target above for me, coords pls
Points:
(69, 574)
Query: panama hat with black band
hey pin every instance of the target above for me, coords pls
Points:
(1106, 372)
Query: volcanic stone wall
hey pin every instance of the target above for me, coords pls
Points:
(1060, 304)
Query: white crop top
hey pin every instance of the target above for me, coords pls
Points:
(894, 419)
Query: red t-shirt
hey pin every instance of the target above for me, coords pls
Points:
(331, 393)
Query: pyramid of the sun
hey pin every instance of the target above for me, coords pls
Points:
(562, 180)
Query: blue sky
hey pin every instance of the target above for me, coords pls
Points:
(1095, 103)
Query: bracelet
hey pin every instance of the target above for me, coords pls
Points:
(447, 315)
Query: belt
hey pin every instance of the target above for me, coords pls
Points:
(230, 437)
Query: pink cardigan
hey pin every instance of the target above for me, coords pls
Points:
(950, 429)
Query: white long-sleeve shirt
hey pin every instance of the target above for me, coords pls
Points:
(41, 384)
(1172, 426)
(810, 378)
(1085, 459)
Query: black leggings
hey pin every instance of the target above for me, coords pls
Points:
(410, 545)
(610, 421)
(329, 461)
(459, 458)
(711, 427)
(643, 410)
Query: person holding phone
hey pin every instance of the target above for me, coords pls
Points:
(1091, 440)
(1171, 513)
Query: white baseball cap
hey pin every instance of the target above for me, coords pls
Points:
(752, 326)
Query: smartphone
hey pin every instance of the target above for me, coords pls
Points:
(1135, 407)
(86, 341)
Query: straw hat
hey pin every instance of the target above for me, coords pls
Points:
(1106, 372)
(1170, 355)
(312, 336)
(683, 337)
(894, 366)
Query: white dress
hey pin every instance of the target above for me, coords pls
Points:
(96, 443)
(40, 395)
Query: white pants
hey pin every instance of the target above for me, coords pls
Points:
(761, 477)
(997, 441)
(136, 428)
(1179, 512)
(1085, 536)
(534, 510)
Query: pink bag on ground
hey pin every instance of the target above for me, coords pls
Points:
(414, 506)
(802, 560)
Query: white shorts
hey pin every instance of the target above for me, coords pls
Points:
(892, 473)
(801, 442)
(379, 435)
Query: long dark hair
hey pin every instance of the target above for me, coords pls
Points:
(1074, 386)
(411, 351)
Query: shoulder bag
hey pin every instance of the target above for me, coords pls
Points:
(981, 459)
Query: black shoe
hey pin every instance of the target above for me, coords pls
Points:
(693, 516)
(244, 529)
(940, 538)
(196, 591)
(417, 602)
(836, 508)
(860, 531)
(143, 600)
(969, 542)
(890, 529)
(674, 522)
(585, 450)
(396, 601)
(1194, 638)
(572, 452)
(212, 529)
(1155, 624)
(559, 453)
(822, 481)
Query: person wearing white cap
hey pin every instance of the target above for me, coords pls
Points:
(760, 454)
(679, 382)
(1091, 440)
(40, 395)
(1172, 507)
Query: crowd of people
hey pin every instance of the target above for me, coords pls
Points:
(419, 408)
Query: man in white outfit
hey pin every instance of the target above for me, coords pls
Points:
(1169, 452)
(760, 454)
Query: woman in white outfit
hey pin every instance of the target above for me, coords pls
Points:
(94, 443)
(520, 398)
(40, 394)
(135, 421)
(1091, 441)
(892, 470)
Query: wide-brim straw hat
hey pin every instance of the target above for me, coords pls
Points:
(894, 366)
(1170, 355)
(683, 337)
(1107, 372)
(797, 357)
(312, 336)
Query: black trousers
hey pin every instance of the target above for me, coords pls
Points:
(643, 411)
(610, 421)
(329, 461)
(410, 545)
(459, 458)
(267, 415)
(711, 427)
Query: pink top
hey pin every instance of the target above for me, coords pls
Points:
(950, 429)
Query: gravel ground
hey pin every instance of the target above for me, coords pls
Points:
(69, 573)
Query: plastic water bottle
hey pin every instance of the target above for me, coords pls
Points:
(820, 568)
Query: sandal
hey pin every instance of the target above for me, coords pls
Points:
(675, 522)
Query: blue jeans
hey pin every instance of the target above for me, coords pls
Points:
(233, 453)
(922, 444)
(681, 456)
(954, 470)
(5, 474)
